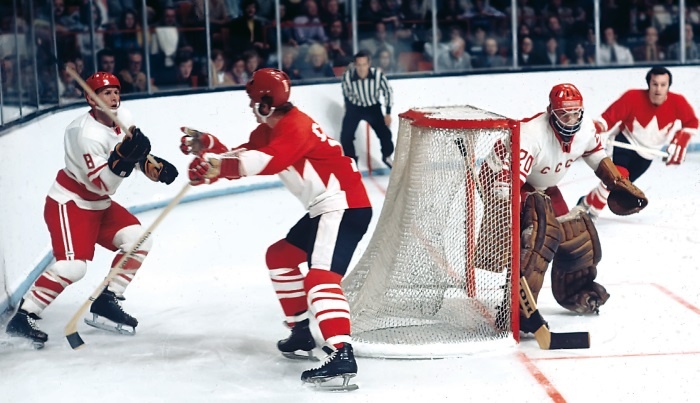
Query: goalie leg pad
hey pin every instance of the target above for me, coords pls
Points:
(540, 235)
(574, 265)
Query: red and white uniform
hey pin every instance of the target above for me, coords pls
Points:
(86, 179)
(312, 166)
(648, 125)
(79, 213)
(309, 163)
(543, 163)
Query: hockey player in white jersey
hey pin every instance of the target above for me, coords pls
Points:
(550, 143)
(80, 214)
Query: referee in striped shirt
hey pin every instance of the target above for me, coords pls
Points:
(362, 87)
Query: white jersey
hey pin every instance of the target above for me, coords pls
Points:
(543, 163)
(86, 179)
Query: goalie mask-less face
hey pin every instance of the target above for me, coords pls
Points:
(565, 113)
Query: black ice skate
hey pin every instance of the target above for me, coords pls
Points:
(23, 324)
(106, 306)
(340, 363)
(299, 344)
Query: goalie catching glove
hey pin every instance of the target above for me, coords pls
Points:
(198, 143)
(158, 170)
(128, 152)
(210, 167)
(625, 198)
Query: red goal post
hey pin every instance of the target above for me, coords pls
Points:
(440, 274)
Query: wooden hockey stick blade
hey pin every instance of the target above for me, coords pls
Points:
(71, 329)
(546, 339)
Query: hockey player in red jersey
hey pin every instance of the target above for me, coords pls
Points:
(644, 118)
(288, 143)
(79, 212)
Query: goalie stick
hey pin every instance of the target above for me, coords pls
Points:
(71, 330)
(546, 339)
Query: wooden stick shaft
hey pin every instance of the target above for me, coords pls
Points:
(71, 329)
(638, 148)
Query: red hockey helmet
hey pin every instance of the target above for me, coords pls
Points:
(269, 86)
(101, 80)
(565, 112)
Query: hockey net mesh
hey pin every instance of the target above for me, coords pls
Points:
(438, 266)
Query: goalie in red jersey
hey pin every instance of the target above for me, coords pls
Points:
(288, 143)
(644, 119)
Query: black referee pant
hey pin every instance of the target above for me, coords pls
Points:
(372, 115)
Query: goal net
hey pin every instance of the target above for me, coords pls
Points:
(437, 278)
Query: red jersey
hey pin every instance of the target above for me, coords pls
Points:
(310, 164)
(646, 124)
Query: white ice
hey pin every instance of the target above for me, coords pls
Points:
(209, 319)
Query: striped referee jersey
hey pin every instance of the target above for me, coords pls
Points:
(366, 91)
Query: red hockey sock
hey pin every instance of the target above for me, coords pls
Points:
(283, 261)
(329, 304)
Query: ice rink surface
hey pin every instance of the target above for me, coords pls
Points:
(209, 319)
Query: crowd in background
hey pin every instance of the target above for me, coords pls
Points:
(316, 39)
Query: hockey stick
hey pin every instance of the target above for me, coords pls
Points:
(546, 339)
(640, 149)
(71, 330)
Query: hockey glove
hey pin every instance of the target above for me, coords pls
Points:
(127, 153)
(209, 168)
(677, 148)
(158, 169)
(625, 198)
(197, 143)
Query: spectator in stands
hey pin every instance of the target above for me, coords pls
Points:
(363, 86)
(555, 29)
(237, 74)
(165, 43)
(450, 12)
(132, 78)
(128, 35)
(80, 66)
(385, 61)
(9, 78)
(252, 61)
(307, 27)
(218, 13)
(475, 41)
(554, 55)
(316, 64)
(370, 13)
(379, 40)
(612, 52)
(247, 32)
(491, 58)
(527, 56)
(580, 56)
(650, 51)
(692, 51)
(455, 59)
(182, 76)
(525, 13)
(331, 11)
(106, 61)
(482, 13)
(338, 46)
(68, 88)
(218, 72)
(289, 62)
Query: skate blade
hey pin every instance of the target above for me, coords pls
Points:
(109, 326)
(298, 356)
(332, 384)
